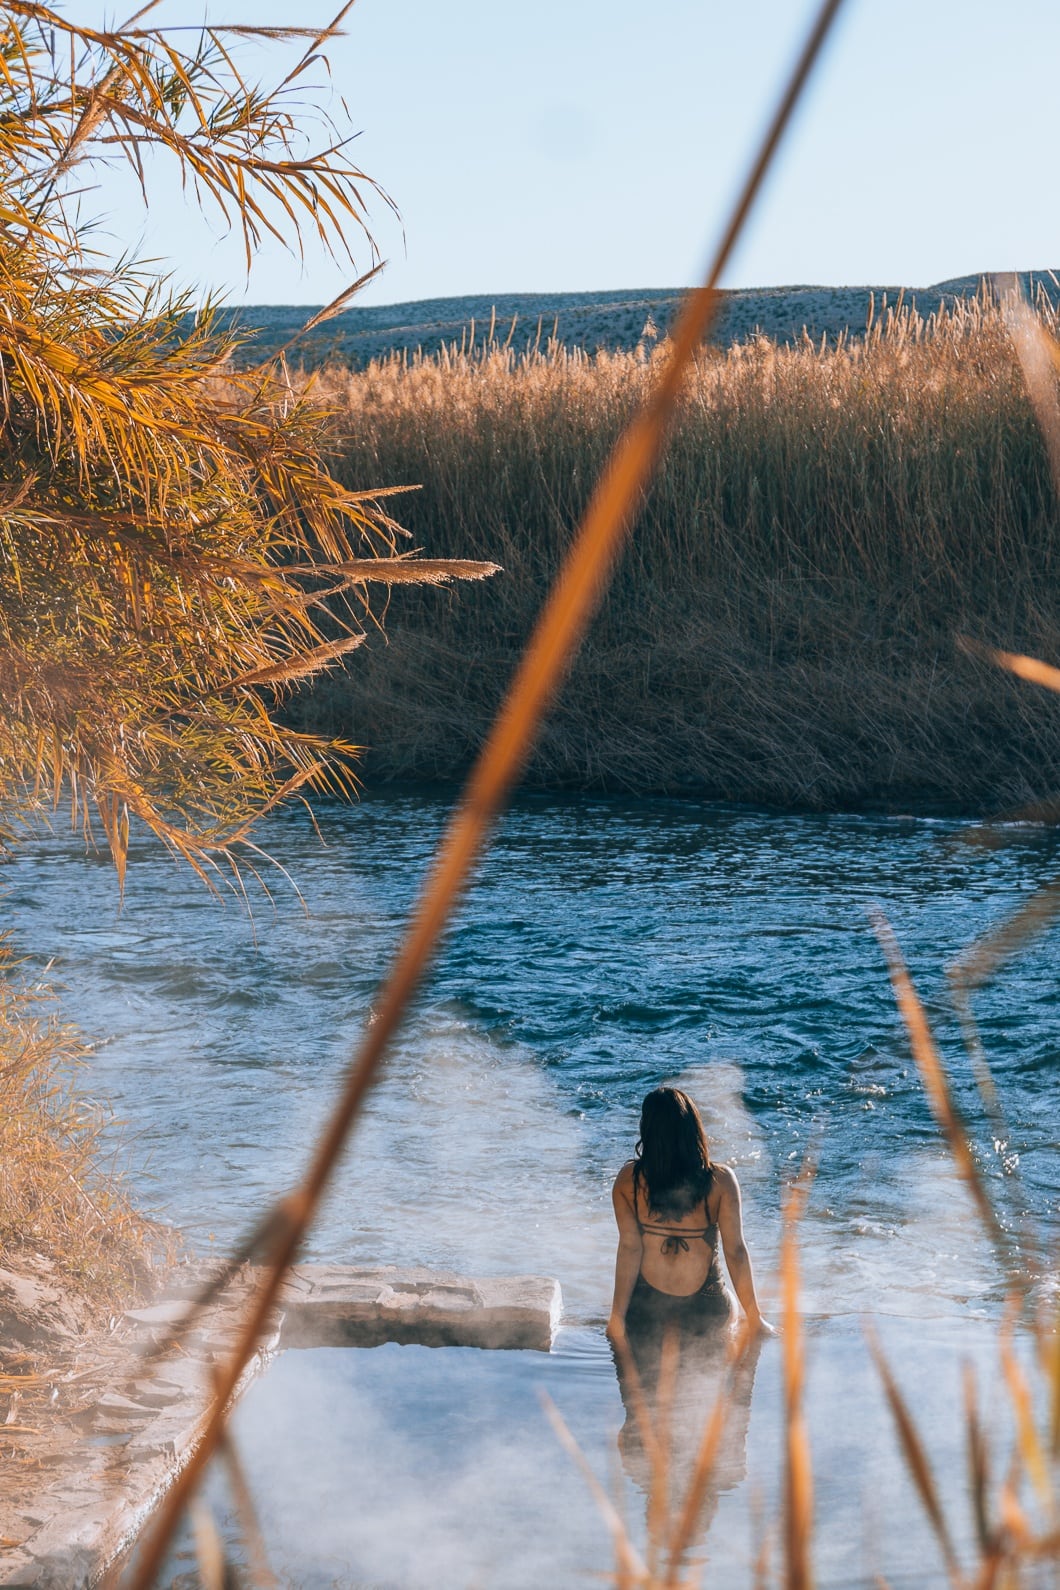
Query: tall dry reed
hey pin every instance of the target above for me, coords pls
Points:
(826, 520)
(62, 1197)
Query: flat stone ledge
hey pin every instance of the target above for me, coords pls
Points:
(338, 1305)
(109, 1481)
(150, 1419)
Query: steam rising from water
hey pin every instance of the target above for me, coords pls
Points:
(470, 1160)
(407, 1468)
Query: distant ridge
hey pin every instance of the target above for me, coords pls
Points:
(611, 320)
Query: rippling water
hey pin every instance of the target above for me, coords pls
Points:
(606, 946)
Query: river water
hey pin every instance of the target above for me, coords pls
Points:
(606, 946)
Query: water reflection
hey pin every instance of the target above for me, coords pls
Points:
(674, 1386)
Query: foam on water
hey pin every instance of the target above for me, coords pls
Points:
(607, 946)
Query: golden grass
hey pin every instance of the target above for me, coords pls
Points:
(818, 509)
(61, 1191)
(782, 628)
(171, 540)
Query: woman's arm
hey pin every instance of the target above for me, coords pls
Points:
(627, 1261)
(737, 1258)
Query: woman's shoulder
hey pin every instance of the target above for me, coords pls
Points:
(624, 1179)
(723, 1177)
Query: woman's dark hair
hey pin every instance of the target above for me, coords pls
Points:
(672, 1154)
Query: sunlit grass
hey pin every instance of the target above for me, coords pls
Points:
(62, 1195)
(783, 626)
(175, 554)
(827, 518)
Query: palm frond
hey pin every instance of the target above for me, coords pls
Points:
(176, 554)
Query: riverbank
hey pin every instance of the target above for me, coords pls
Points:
(105, 1428)
(784, 627)
(65, 1211)
(67, 1374)
(74, 1254)
(120, 1412)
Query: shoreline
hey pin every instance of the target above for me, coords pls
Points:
(117, 1431)
(893, 807)
(114, 1421)
(68, 1371)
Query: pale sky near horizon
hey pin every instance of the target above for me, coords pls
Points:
(593, 144)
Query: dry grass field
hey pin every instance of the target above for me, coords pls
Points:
(63, 1203)
(827, 522)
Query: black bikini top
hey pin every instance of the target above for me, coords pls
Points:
(675, 1238)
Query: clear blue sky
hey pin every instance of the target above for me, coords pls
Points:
(575, 145)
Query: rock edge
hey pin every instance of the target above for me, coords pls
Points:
(150, 1421)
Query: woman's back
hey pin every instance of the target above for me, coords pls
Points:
(680, 1250)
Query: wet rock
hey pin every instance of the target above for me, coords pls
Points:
(343, 1305)
(162, 1316)
(123, 1407)
(18, 1569)
(157, 1393)
(65, 1552)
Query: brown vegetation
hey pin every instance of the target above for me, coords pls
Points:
(825, 523)
(64, 1214)
(168, 538)
(1009, 1535)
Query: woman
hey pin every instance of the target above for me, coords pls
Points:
(672, 1205)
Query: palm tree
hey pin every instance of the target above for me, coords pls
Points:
(175, 553)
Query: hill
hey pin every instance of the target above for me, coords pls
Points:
(611, 320)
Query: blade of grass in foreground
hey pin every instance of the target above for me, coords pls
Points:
(569, 607)
(978, 963)
(916, 1460)
(1030, 1447)
(1038, 354)
(936, 1087)
(627, 1556)
(258, 1573)
(706, 1460)
(1031, 669)
(978, 1467)
(1050, 1351)
(798, 1468)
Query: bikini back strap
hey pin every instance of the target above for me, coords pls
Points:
(676, 1238)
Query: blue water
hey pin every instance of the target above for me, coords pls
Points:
(606, 946)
